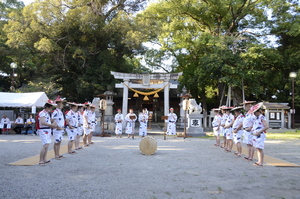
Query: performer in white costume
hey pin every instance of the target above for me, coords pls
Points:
(44, 130)
(119, 120)
(143, 119)
(58, 132)
(130, 118)
(80, 126)
(92, 122)
(216, 123)
(247, 128)
(172, 118)
(86, 126)
(89, 120)
(228, 129)
(237, 129)
(72, 125)
(222, 129)
(259, 132)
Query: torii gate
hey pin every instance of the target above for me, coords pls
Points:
(147, 83)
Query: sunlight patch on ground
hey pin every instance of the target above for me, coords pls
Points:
(275, 141)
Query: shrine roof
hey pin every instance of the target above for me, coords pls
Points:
(154, 77)
(269, 105)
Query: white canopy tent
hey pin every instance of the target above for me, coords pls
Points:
(23, 100)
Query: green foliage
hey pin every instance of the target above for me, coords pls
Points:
(6, 54)
(75, 44)
(41, 85)
(70, 47)
(216, 44)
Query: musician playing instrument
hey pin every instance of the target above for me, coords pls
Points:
(143, 119)
(130, 118)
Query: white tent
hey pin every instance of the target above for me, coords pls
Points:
(28, 100)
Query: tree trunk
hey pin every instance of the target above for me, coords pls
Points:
(237, 96)
(222, 91)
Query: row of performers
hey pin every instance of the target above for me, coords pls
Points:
(79, 120)
(249, 128)
(131, 118)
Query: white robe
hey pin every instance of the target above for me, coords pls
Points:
(118, 117)
(130, 123)
(143, 119)
(5, 121)
(172, 118)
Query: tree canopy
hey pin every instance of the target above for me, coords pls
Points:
(69, 47)
(223, 43)
(74, 44)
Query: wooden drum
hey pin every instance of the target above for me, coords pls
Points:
(148, 145)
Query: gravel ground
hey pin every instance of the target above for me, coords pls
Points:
(115, 168)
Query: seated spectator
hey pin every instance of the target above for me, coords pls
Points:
(19, 125)
(30, 122)
(5, 124)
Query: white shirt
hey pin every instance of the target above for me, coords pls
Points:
(249, 120)
(5, 121)
(30, 121)
(46, 115)
(258, 123)
(172, 117)
(58, 117)
(238, 121)
(73, 118)
(217, 120)
(19, 120)
(229, 119)
(119, 116)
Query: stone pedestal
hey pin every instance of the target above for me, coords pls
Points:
(109, 117)
(194, 127)
(180, 121)
(96, 102)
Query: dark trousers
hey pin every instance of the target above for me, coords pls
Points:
(29, 127)
(18, 128)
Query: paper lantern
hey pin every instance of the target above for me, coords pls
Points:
(186, 104)
(102, 104)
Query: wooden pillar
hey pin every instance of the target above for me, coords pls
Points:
(125, 98)
(282, 119)
(166, 98)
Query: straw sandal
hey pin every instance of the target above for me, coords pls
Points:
(256, 164)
